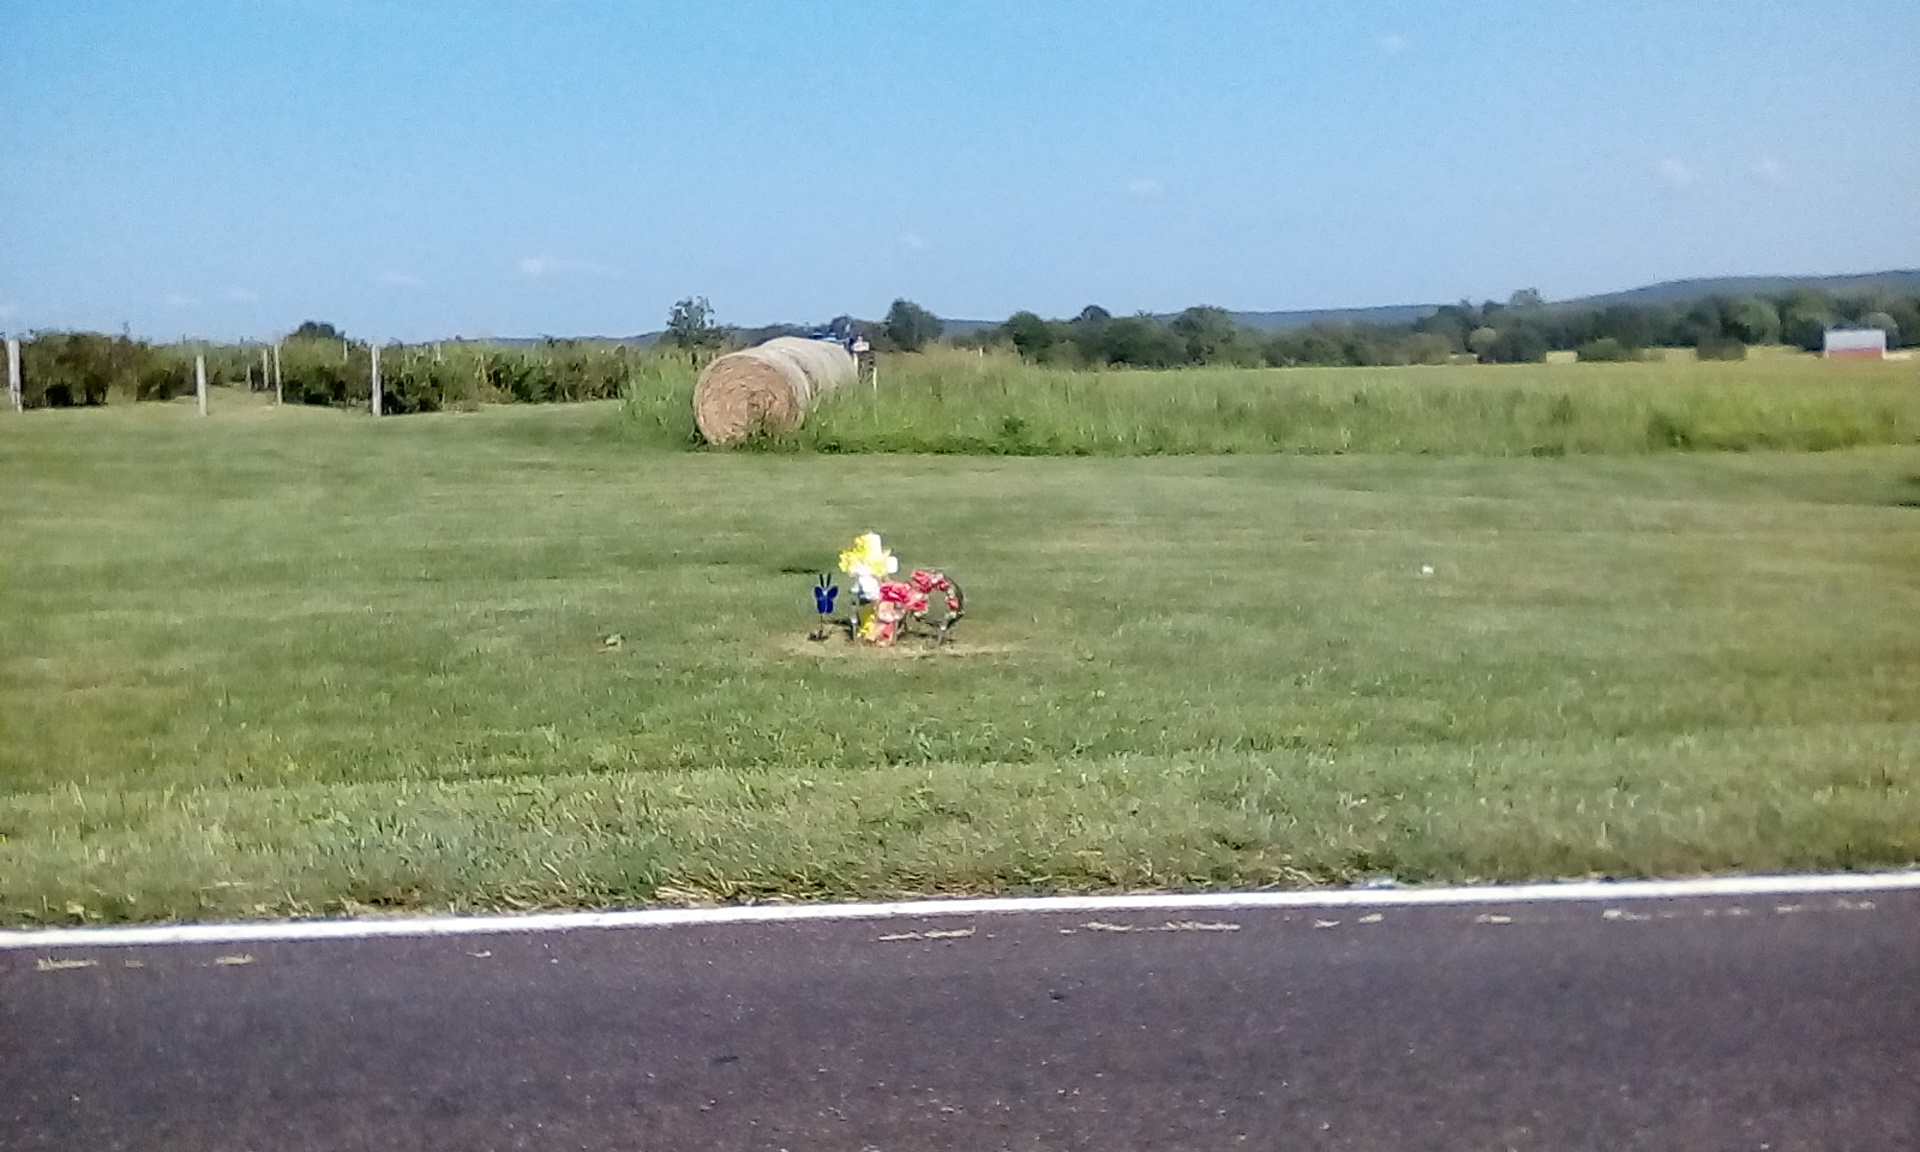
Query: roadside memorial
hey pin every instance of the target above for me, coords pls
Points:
(880, 609)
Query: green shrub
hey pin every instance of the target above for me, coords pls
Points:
(1720, 348)
(324, 372)
(163, 379)
(434, 377)
(72, 369)
(1667, 430)
(413, 384)
(1606, 350)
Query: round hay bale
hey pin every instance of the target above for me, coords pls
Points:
(769, 385)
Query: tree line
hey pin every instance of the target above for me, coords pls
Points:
(1523, 329)
(907, 327)
(321, 365)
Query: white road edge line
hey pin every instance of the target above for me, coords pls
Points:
(1603, 891)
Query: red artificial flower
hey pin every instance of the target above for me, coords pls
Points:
(905, 595)
(929, 581)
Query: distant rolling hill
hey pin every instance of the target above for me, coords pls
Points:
(1384, 314)
(1903, 281)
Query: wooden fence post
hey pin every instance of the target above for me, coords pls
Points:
(373, 350)
(200, 380)
(279, 396)
(13, 373)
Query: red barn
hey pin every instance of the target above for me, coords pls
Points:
(1855, 343)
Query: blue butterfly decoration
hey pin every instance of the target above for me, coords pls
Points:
(823, 595)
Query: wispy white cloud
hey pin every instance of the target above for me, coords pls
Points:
(914, 241)
(244, 295)
(1769, 170)
(178, 300)
(545, 267)
(1146, 188)
(398, 280)
(1676, 173)
(1392, 44)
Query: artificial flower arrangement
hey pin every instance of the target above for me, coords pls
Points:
(883, 609)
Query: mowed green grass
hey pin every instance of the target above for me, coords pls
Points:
(303, 662)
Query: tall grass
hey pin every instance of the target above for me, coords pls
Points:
(961, 403)
(658, 404)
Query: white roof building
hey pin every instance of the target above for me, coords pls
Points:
(1863, 342)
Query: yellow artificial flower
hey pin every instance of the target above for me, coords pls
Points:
(867, 553)
(867, 562)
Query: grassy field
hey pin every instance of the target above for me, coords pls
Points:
(300, 661)
(956, 402)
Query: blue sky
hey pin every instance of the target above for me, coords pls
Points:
(228, 168)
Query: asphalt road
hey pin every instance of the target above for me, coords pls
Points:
(1760, 1023)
